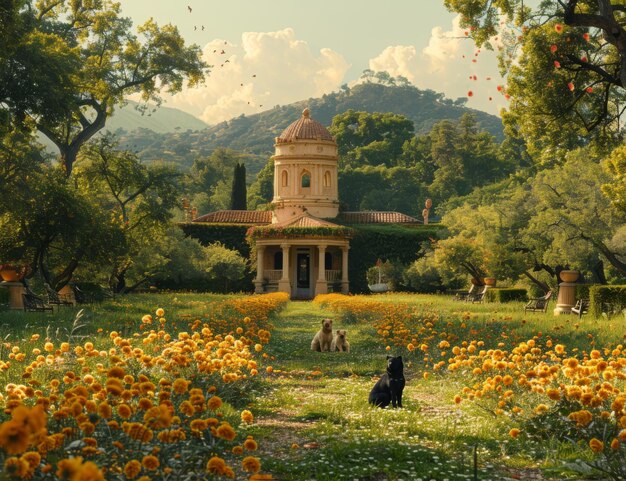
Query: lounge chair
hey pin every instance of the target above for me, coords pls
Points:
(462, 296)
(477, 297)
(538, 304)
(581, 307)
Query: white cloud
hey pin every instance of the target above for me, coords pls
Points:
(447, 64)
(265, 69)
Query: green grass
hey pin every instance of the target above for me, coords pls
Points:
(318, 401)
(122, 314)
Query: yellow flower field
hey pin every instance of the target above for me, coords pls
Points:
(147, 406)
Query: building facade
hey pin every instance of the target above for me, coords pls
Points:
(302, 245)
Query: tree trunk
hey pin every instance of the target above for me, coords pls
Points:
(542, 285)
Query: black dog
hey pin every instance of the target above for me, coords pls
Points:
(389, 387)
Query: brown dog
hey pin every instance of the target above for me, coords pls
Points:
(340, 343)
(324, 337)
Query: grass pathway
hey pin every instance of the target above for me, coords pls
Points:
(314, 422)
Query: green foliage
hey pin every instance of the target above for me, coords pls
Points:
(395, 243)
(232, 236)
(615, 188)
(224, 266)
(4, 297)
(582, 291)
(261, 192)
(567, 82)
(601, 297)
(508, 294)
(423, 275)
(270, 231)
(255, 134)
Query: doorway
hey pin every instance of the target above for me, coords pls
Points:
(303, 274)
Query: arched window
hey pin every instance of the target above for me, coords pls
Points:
(328, 261)
(327, 178)
(306, 179)
(278, 260)
(285, 178)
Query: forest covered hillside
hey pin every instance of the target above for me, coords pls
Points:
(255, 134)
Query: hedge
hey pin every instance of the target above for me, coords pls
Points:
(369, 243)
(505, 294)
(600, 295)
(582, 291)
(386, 242)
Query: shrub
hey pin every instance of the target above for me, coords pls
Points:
(423, 275)
(599, 296)
(582, 291)
(390, 274)
(224, 266)
(505, 295)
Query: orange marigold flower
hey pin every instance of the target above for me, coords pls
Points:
(216, 465)
(124, 411)
(250, 444)
(16, 467)
(246, 416)
(67, 468)
(514, 432)
(13, 437)
(615, 444)
(214, 403)
(180, 386)
(251, 464)
(457, 399)
(132, 469)
(33, 458)
(226, 431)
(237, 450)
(160, 312)
(89, 472)
(596, 445)
(150, 462)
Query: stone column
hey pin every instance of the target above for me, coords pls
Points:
(567, 293)
(284, 284)
(258, 282)
(321, 286)
(345, 284)
(16, 289)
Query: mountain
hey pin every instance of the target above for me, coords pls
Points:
(255, 134)
(157, 119)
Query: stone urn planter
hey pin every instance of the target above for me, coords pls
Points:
(476, 282)
(379, 287)
(490, 281)
(569, 276)
(11, 272)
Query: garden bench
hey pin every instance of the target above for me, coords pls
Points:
(462, 296)
(33, 303)
(477, 297)
(581, 307)
(538, 304)
(56, 299)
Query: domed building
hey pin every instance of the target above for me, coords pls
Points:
(302, 245)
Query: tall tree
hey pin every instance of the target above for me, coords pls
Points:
(76, 62)
(568, 79)
(238, 197)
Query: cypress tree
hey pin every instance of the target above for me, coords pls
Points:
(239, 191)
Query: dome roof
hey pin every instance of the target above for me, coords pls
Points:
(305, 128)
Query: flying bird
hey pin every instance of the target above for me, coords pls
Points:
(226, 61)
(222, 52)
(189, 8)
(203, 28)
(254, 75)
(195, 27)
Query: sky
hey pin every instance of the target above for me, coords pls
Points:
(280, 51)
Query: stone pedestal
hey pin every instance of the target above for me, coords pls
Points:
(567, 293)
(16, 289)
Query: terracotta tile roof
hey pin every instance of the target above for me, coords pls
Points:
(257, 217)
(304, 128)
(306, 220)
(373, 217)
